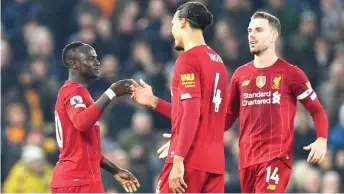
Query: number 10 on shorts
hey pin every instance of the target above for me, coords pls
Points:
(274, 176)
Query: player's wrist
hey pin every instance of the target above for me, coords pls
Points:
(110, 93)
(178, 159)
(153, 102)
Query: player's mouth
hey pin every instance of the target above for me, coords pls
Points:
(253, 42)
(97, 70)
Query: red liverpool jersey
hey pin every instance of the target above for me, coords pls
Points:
(265, 100)
(79, 161)
(200, 73)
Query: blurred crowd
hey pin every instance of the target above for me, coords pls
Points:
(133, 40)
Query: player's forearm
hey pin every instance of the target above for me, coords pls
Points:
(109, 166)
(188, 125)
(87, 118)
(320, 123)
(318, 115)
(230, 119)
(163, 107)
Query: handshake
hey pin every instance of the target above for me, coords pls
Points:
(141, 93)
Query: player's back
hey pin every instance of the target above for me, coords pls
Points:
(79, 161)
(207, 79)
(267, 98)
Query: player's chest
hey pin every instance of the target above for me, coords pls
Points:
(263, 82)
(263, 88)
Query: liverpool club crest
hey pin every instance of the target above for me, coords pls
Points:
(260, 81)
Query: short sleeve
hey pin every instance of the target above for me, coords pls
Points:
(75, 101)
(188, 75)
(300, 85)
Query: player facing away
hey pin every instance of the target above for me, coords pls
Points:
(264, 94)
(195, 161)
(77, 127)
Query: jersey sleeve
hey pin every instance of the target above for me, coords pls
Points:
(81, 116)
(188, 73)
(75, 102)
(233, 106)
(301, 88)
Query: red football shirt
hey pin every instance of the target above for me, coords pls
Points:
(200, 73)
(79, 161)
(265, 100)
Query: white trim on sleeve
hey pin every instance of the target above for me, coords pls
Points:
(185, 96)
(80, 106)
(305, 94)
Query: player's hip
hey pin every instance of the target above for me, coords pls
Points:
(198, 181)
(246, 161)
(82, 188)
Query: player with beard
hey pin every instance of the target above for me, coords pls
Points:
(77, 127)
(263, 94)
(195, 160)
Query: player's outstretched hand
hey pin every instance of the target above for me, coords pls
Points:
(127, 180)
(122, 87)
(163, 150)
(176, 178)
(317, 150)
(143, 93)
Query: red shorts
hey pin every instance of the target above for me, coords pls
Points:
(196, 180)
(268, 177)
(91, 188)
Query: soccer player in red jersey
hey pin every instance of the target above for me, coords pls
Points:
(264, 94)
(195, 162)
(77, 127)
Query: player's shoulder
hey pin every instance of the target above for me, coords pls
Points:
(291, 69)
(242, 69)
(70, 87)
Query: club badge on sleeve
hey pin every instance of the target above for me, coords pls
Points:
(76, 100)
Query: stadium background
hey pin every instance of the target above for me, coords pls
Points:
(133, 40)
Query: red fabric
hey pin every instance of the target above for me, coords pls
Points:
(318, 115)
(164, 108)
(188, 125)
(89, 188)
(198, 73)
(196, 180)
(78, 138)
(253, 179)
(265, 100)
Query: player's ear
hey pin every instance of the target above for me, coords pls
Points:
(274, 36)
(182, 22)
(72, 64)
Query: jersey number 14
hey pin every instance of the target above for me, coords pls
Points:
(217, 93)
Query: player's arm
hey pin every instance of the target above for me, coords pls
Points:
(233, 101)
(301, 88)
(83, 117)
(188, 73)
(143, 94)
(122, 176)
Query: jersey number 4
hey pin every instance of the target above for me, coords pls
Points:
(217, 93)
(58, 128)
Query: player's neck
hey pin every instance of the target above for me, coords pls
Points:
(265, 59)
(193, 39)
(78, 79)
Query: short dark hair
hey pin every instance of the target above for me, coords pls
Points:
(273, 20)
(68, 52)
(197, 14)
